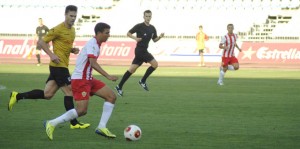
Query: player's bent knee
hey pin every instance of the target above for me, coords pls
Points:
(48, 96)
(111, 98)
(154, 65)
(132, 71)
(225, 69)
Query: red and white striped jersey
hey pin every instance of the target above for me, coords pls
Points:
(83, 69)
(229, 41)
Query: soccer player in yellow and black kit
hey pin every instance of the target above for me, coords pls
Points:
(201, 37)
(62, 37)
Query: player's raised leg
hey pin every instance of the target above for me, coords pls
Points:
(127, 74)
(69, 104)
(81, 109)
(51, 124)
(15, 96)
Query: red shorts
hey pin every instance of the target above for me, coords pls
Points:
(83, 89)
(229, 60)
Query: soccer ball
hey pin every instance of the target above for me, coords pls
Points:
(132, 133)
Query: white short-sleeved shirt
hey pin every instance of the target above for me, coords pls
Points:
(230, 41)
(83, 69)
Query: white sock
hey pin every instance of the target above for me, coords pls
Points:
(221, 76)
(69, 115)
(230, 67)
(106, 113)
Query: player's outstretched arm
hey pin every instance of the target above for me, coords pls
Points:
(75, 50)
(222, 46)
(159, 37)
(99, 69)
(134, 37)
(45, 47)
(238, 47)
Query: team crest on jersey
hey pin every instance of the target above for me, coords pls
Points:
(83, 94)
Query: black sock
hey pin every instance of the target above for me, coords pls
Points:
(69, 104)
(124, 78)
(147, 74)
(38, 56)
(34, 94)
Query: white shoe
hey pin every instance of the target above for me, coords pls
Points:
(119, 91)
(220, 83)
(144, 85)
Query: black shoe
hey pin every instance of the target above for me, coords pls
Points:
(119, 91)
(144, 85)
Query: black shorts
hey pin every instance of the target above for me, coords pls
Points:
(140, 58)
(60, 75)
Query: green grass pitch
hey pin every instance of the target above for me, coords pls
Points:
(184, 109)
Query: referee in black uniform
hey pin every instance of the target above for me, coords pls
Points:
(144, 33)
(41, 31)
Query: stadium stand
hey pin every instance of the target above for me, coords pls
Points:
(254, 20)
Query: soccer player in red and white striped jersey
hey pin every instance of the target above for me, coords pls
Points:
(229, 61)
(85, 85)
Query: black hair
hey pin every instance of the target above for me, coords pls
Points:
(100, 27)
(70, 8)
(230, 25)
(147, 11)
